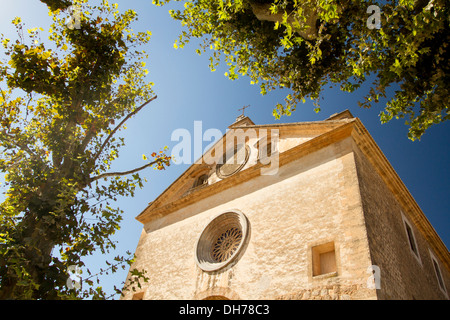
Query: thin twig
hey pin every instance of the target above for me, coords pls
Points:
(99, 152)
(113, 174)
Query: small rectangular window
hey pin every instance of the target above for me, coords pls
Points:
(437, 270)
(324, 259)
(438, 274)
(411, 239)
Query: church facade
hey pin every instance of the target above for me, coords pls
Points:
(308, 210)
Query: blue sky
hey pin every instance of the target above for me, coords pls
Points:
(188, 91)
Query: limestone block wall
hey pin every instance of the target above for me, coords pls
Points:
(402, 274)
(309, 202)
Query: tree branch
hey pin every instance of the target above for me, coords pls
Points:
(113, 174)
(22, 146)
(92, 130)
(99, 152)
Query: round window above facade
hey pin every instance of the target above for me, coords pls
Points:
(221, 241)
(233, 161)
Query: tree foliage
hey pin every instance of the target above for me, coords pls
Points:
(306, 45)
(62, 103)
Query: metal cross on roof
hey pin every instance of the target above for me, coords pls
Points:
(243, 109)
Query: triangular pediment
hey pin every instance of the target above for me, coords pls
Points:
(256, 137)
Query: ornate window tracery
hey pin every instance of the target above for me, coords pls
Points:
(221, 241)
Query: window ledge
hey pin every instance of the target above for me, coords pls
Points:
(326, 275)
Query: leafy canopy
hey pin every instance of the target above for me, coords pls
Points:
(62, 103)
(304, 46)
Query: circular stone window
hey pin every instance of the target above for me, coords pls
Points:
(221, 241)
(233, 161)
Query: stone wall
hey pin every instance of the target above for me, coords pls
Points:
(330, 292)
(403, 276)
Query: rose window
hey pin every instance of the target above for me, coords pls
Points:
(221, 241)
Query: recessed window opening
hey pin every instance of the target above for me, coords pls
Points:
(438, 273)
(138, 296)
(411, 238)
(202, 180)
(324, 259)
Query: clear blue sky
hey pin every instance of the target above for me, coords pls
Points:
(188, 91)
